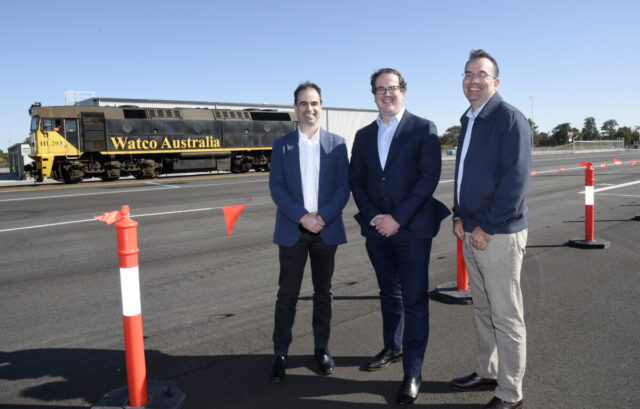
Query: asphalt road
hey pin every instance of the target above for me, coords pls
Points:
(208, 299)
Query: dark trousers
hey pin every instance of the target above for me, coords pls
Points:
(402, 270)
(292, 262)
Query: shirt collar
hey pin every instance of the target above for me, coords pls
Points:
(394, 121)
(315, 138)
(471, 114)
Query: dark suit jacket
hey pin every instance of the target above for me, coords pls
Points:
(285, 184)
(404, 188)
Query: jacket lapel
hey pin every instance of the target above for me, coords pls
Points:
(395, 142)
(292, 153)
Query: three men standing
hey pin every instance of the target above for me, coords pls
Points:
(394, 170)
(309, 185)
(492, 174)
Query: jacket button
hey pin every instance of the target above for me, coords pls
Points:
(384, 178)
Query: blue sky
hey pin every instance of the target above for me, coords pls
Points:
(561, 61)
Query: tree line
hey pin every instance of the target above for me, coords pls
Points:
(560, 134)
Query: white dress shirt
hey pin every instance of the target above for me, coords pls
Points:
(385, 135)
(310, 168)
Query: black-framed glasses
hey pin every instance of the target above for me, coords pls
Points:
(391, 90)
(481, 76)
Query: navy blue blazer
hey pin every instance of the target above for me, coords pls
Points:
(285, 184)
(404, 188)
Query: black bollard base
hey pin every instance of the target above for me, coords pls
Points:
(588, 244)
(448, 293)
(162, 395)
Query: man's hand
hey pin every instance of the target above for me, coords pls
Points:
(458, 230)
(479, 239)
(386, 225)
(312, 222)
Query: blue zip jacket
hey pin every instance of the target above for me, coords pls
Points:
(496, 170)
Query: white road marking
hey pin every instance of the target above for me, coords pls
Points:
(136, 216)
(144, 189)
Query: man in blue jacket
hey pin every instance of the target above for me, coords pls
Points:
(309, 185)
(492, 174)
(394, 170)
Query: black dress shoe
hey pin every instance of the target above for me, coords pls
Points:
(324, 360)
(276, 373)
(474, 382)
(408, 391)
(497, 403)
(384, 358)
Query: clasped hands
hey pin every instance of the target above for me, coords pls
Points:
(386, 225)
(313, 222)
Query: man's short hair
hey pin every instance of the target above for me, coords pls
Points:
(302, 87)
(474, 54)
(375, 75)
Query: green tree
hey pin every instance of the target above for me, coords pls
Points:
(542, 139)
(560, 134)
(450, 137)
(630, 136)
(590, 130)
(609, 128)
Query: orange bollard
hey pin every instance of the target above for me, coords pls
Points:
(160, 394)
(127, 232)
(463, 278)
(589, 242)
(456, 292)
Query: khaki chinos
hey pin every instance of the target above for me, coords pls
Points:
(494, 278)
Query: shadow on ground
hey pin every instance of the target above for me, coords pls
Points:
(229, 381)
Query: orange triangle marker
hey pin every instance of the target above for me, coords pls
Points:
(617, 162)
(110, 217)
(231, 215)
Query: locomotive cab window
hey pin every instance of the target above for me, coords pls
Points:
(49, 124)
(34, 123)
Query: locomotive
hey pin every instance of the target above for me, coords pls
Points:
(73, 142)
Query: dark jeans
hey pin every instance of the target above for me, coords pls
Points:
(292, 262)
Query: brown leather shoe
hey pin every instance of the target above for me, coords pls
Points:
(474, 382)
(497, 403)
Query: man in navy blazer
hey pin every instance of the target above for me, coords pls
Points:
(394, 170)
(310, 187)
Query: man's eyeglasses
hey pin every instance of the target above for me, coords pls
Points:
(481, 76)
(391, 90)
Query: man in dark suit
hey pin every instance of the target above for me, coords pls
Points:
(309, 185)
(395, 168)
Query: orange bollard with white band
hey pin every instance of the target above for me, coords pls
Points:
(127, 233)
(589, 241)
(160, 394)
